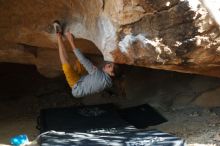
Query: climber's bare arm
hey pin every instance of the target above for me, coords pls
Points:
(62, 51)
(69, 37)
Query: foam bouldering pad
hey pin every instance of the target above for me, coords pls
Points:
(142, 116)
(71, 119)
(114, 137)
(83, 118)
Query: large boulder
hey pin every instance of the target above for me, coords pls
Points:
(177, 35)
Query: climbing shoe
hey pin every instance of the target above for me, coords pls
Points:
(57, 27)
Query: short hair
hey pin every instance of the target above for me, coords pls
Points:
(107, 62)
(116, 70)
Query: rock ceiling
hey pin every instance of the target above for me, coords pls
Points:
(176, 35)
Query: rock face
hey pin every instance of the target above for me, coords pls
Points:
(165, 89)
(178, 35)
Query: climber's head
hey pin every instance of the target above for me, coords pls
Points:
(109, 68)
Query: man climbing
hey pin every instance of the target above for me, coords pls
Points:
(96, 80)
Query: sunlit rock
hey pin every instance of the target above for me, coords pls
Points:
(177, 35)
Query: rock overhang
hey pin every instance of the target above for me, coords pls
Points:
(177, 35)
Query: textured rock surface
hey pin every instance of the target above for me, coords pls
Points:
(178, 35)
(164, 89)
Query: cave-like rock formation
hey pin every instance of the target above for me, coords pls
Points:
(178, 35)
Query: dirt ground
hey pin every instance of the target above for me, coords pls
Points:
(195, 125)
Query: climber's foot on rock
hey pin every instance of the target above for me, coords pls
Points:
(57, 27)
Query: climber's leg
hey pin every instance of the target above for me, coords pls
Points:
(80, 68)
(71, 76)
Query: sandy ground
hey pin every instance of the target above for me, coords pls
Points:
(195, 125)
(20, 116)
(20, 125)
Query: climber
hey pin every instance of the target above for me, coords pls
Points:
(82, 83)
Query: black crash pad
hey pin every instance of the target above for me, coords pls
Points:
(142, 116)
(83, 118)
